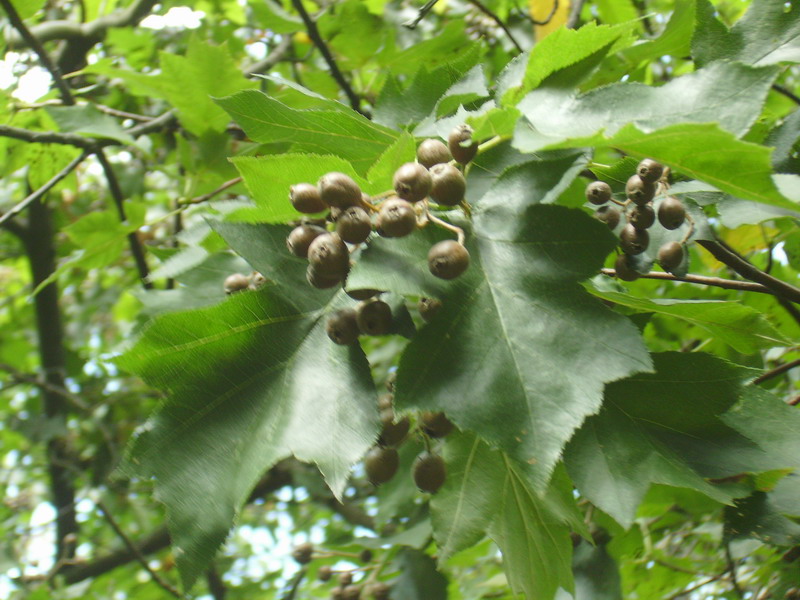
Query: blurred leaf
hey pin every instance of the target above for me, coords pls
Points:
(786, 140)
(756, 517)
(87, 120)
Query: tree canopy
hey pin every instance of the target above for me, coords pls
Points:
(552, 354)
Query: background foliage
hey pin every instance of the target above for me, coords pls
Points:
(614, 440)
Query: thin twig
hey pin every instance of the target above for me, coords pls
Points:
(728, 284)
(732, 571)
(133, 549)
(119, 202)
(790, 308)
(697, 586)
(479, 5)
(728, 256)
(313, 33)
(21, 377)
(574, 14)
(37, 47)
(421, 14)
(215, 584)
(205, 197)
(549, 17)
(280, 52)
(50, 137)
(786, 92)
(44, 189)
(294, 586)
(779, 370)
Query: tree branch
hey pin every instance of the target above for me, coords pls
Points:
(313, 33)
(498, 20)
(279, 53)
(728, 284)
(741, 266)
(53, 137)
(134, 550)
(574, 14)
(779, 370)
(786, 92)
(205, 197)
(421, 14)
(44, 189)
(215, 584)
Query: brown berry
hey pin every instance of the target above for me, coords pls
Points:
(632, 240)
(325, 573)
(432, 152)
(385, 401)
(428, 307)
(381, 464)
(305, 198)
(393, 433)
(639, 191)
(329, 256)
(345, 578)
(642, 217)
(319, 281)
(671, 213)
(353, 225)
(374, 317)
(396, 218)
(302, 553)
(351, 592)
(236, 283)
(624, 270)
(412, 182)
(435, 424)
(670, 256)
(301, 237)
(429, 472)
(598, 192)
(380, 590)
(461, 145)
(608, 215)
(650, 170)
(448, 259)
(339, 190)
(365, 555)
(448, 184)
(342, 327)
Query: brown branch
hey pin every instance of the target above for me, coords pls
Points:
(279, 53)
(549, 17)
(134, 550)
(205, 197)
(119, 201)
(479, 5)
(574, 14)
(786, 92)
(697, 586)
(313, 33)
(728, 284)
(37, 47)
(52, 137)
(215, 584)
(44, 189)
(779, 370)
(421, 14)
(741, 266)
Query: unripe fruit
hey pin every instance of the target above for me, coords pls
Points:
(429, 472)
(302, 553)
(639, 191)
(374, 317)
(345, 578)
(328, 255)
(624, 270)
(432, 152)
(351, 592)
(381, 464)
(428, 307)
(301, 237)
(306, 198)
(354, 225)
(339, 190)
(671, 213)
(325, 573)
(461, 145)
(380, 590)
(642, 217)
(670, 256)
(448, 259)
(632, 240)
(342, 327)
(598, 192)
(393, 433)
(435, 424)
(650, 170)
(319, 281)
(365, 555)
(396, 218)
(236, 283)
(608, 215)
(448, 185)
(412, 182)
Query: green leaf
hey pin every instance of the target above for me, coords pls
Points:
(190, 81)
(87, 120)
(487, 491)
(767, 34)
(286, 390)
(344, 134)
(786, 140)
(664, 428)
(674, 41)
(28, 8)
(517, 317)
(381, 174)
(561, 49)
(495, 122)
(419, 579)
(757, 517)
(730, 94)
(743, 328)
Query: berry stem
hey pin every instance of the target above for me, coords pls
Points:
(690, 231)
(490, 143)
(445, 225)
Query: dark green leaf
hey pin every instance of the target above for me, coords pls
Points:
(87, 120)
(419, 579)
(756, 517)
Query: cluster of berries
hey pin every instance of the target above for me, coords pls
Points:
(641, 189)
(346, 588)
